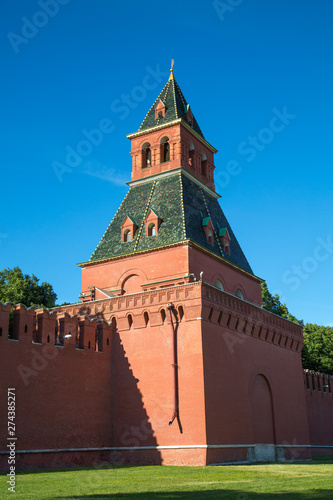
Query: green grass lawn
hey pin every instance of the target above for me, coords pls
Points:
(241, 482)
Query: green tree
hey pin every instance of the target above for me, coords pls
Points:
(17, 287)
(317, 353)
(272, 304)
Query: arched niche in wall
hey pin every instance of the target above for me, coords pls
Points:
(131, 281)
(263, 413)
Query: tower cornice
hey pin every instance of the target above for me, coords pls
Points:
(170, 124)
(167, 173)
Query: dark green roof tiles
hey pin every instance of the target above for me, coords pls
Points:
(165, 202)
(176, 107)
(197, 203)
(181, 205)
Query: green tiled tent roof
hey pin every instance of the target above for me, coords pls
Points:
(181, 204)
(176, 107)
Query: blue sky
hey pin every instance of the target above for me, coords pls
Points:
(68, 66)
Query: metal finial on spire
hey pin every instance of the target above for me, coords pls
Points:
(171, 70)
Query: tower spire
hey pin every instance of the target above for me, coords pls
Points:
(171, 70)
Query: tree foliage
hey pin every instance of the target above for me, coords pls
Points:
(17, 287)
(317, 353)
(272, 303)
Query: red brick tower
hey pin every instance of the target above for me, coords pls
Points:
(169, 357)
(170, 228)
(220, 369)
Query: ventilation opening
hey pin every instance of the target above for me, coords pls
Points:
(146, 317)
(48, 339)
(0, 331)
(107, 341)
(180, 312)
(163, 315)
(99, 338)
(26, 329)
(89, 344)
(130, 320)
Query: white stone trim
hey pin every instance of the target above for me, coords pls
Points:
(127, 448)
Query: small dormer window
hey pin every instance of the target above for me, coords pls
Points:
(209, 229)
(153, 222)
(225, 239)
(160, 110)
(128, 229)
(188, 114)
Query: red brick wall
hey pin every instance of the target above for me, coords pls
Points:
(319, 403)
(230, 277)
(164, 264)
(240, 342)
(63, 395)
(124, 396)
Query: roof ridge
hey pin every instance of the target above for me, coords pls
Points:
(182, 202)
(174, 97)
(144, 216)
(181, 94)
(216, 235)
